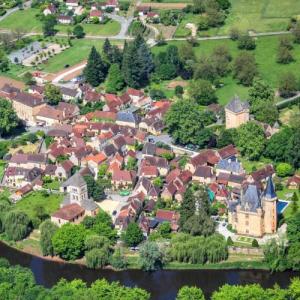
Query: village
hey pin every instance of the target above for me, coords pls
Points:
(123, 145)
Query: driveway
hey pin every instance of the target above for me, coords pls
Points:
(125, 23)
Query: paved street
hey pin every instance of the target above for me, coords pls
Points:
(11, 11)
(124, 22)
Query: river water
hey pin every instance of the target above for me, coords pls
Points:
(163, 285)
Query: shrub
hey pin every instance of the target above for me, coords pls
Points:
(255, 243)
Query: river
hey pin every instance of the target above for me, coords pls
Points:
(163, 285)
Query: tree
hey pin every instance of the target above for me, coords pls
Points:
(287, 85)
(295, 204)
(244, 68)
(17, 225)
(4, 62)
(8, 118)
(52, 94)
(260, 91)
(206, 69)
(96, 258)
(68, 241)
(296, 33)
(47, 229)
(28, 78)
(96, 241)
(137, 63)
(166, 71)
(118, 260)
(48, 25)
(184, 120)
(78, 32)
(250, 140)
(95, 71)
(277, 146)
(284, 169)
(266, 112)
(111, 53)
(292, 151)
(190, 293)
(246, 42)
(133, 235)
(164, 230)
(284, 55)
(202, 92)
(226, 137)
(115, 80)
(150, 258)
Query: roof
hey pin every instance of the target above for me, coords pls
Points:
(251, 199)
(149, 149)
(28, 99)
(269, 192)
(122, 175)
(228, 151)
(98, 158)
(127, 116)
(230, 166)
(207, 156)
(166, 215)
(65, 90)
(50, 112)
(263, 173)
(75, 180)
(294, 179)
(236, 105)
(95, 13)
(69, 212)
(134, 92)
(204, 171)
(67, 165)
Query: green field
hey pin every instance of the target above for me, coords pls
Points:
(75, 54)
(265, 54)
(255, 15)
(33, 199)
(27, 21)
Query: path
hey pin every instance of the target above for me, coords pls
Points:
(291, 99)
(75, 69)
(125, 23)
(12, 10)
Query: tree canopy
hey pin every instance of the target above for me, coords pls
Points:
(8, 118)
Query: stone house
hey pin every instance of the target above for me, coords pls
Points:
(237, 112)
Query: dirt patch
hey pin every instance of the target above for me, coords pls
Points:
(165, 5)
(167, 31)
(174, 83)
(5, 80)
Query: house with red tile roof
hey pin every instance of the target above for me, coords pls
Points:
(71, 213)
(293, 182)
(123, 179)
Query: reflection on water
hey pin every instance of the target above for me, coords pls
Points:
(163, 285)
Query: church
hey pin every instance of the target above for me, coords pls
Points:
(255, 212)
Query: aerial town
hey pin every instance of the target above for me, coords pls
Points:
(145, 136)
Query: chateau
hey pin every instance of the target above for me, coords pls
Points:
(255, 212)
(236, 113)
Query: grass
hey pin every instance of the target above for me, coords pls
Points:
(181, 31)
(171, 1)
(255, 15)
(286, 113)
(265, 55)
(27, 21)
(2, 168)
(54, 185)
(249, 166)
(28, 203)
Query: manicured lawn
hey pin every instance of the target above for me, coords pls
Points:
(265, 54)
(27, 21)
(28, 203)
(54, 185)
(181, 31)
(22, 19)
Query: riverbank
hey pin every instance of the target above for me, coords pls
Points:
(31, 247)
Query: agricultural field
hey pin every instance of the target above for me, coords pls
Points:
(254, 15)
(265, 54)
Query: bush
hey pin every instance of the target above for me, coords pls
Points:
(246, 42)
(229, 241)
(179, 90)
(96, 258)
(255, 243)
(284, 169)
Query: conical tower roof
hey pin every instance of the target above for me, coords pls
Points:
(269, 192)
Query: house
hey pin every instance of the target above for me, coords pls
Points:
(143, 10)
(69, 94)
(293, 183)
(96, 14)
(152, 16)
(229, 166)
(145, 186)
(149, 149)
(169, 216)
(122, 179)
(128, 118)
(91, 97)
(237, 112)
(152, 125)
(27, 106)
(255, 212)
(21, 192)
(94, 161)
(159, 162)
(261, 175)
(28, 161)
(49, 10)
(228, 152)
(71, 213)
(204, 175)
(111, 4)
(149, 171)
(18, 177)
(63, 170)
(49, 116)
(66, 20)
(76, 204)
(72, 4)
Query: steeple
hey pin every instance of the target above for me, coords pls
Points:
(269, 192)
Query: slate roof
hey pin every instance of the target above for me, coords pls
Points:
(251, 199)
(75, 180)
(127, 116)
(269, 192)
(149, 149)
(230, 166)
(236, 105)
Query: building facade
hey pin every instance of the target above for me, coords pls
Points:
(236, 113)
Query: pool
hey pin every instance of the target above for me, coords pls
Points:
(281, 206)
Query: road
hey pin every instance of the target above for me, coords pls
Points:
(12, 10)
(68, 72)
(124, 22)
(291, 99)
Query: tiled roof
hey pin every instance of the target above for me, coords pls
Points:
(69, 212)
(236, 105)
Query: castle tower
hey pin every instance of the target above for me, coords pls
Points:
(269, 204)
(236, 113)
